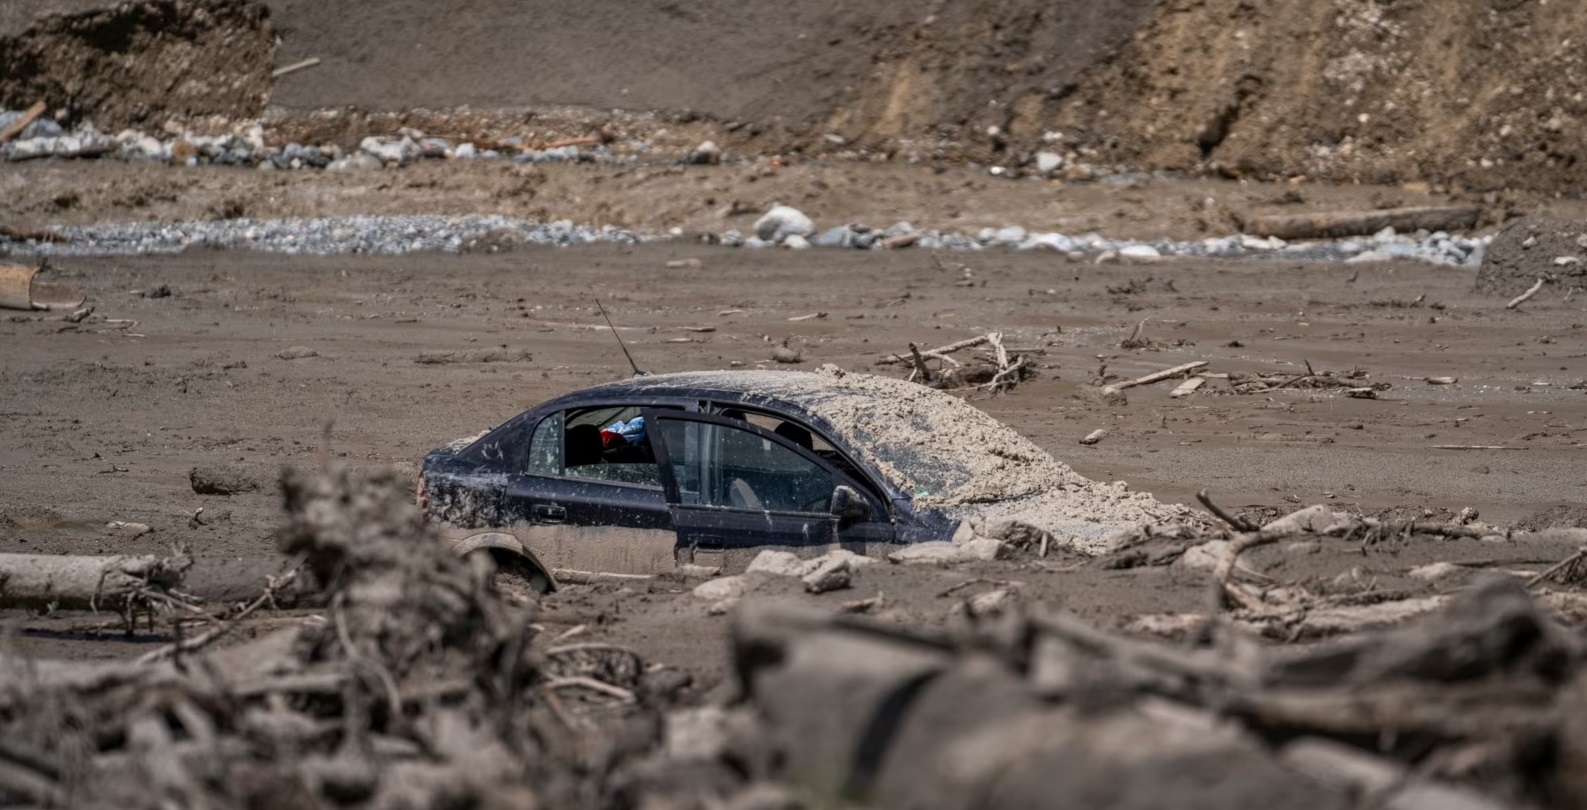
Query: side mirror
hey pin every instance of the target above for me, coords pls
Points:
(849, 506)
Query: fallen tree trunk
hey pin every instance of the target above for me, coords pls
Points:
(49, 582)
(1333, 224)
(20, 288)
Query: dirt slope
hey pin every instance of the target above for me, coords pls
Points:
(136, 64)
(1482, 94)
(1476, 96)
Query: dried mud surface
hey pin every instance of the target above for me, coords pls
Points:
(105, 421)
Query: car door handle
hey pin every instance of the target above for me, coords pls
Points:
(550, 514)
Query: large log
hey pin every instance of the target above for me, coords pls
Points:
(1334, 224)
(20, 288)
(49, 582)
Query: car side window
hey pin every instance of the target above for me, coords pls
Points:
(609, 444)
(545, 447)
(718, 465)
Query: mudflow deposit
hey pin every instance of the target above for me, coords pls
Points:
(1291, 292)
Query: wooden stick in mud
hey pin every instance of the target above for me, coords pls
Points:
(15, 127)
(1156, 376)
(939, 353)
(1526, 296)
(47, 581)
(287, 70)
(1333, 224)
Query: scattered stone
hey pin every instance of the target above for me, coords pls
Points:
(398, 152)
(297, 353)
(722, 589)
(782, 222)
(1094, 436)
(224, 480)
(128, 528)
(777, 563)
(1048, 162)
(356, 162)
(786, 354)
(832, 574)
(1140, 252)
(706, 154)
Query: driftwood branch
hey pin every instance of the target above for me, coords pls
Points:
(1156, 376)
(49, 582)
(1526, 296)
(1234, 522)
(1335, 224)
(15, 127)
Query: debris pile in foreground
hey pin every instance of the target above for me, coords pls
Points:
(1478, 706)
(418, 689)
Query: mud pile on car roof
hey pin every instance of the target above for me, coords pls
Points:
(946, 453)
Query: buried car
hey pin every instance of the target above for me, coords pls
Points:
(707, 469)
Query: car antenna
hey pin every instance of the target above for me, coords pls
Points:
(620, 344)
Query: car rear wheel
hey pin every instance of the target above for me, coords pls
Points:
(512, 573)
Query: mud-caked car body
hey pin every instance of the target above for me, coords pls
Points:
(709, 468)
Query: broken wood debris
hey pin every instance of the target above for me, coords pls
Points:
(287, 70)
(418, 684)
(130, 585)
(1335, 224)
(1435, 713)
(1156, 376)
(997, 369)
(1526, 296)
(32, 235)
(28, 116)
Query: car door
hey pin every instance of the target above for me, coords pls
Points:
(735, 489)
(572, 521)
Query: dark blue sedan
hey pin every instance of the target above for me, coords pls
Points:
(709, 468)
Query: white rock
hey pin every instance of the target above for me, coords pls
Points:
(399, 152)
(1435, 571)
(725, 588)
(1011, 236)
(465, 151)
(982, 548)
(356, 162)
(782, 222)
(1049, 241)
(134, 529)
(831, 575)
(1049, 162)
(1140, 252)
(796, 242)
(778, 563)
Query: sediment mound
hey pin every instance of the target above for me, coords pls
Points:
(1533, 248)
(136, 64)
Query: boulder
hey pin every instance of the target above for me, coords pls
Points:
(782, 222)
